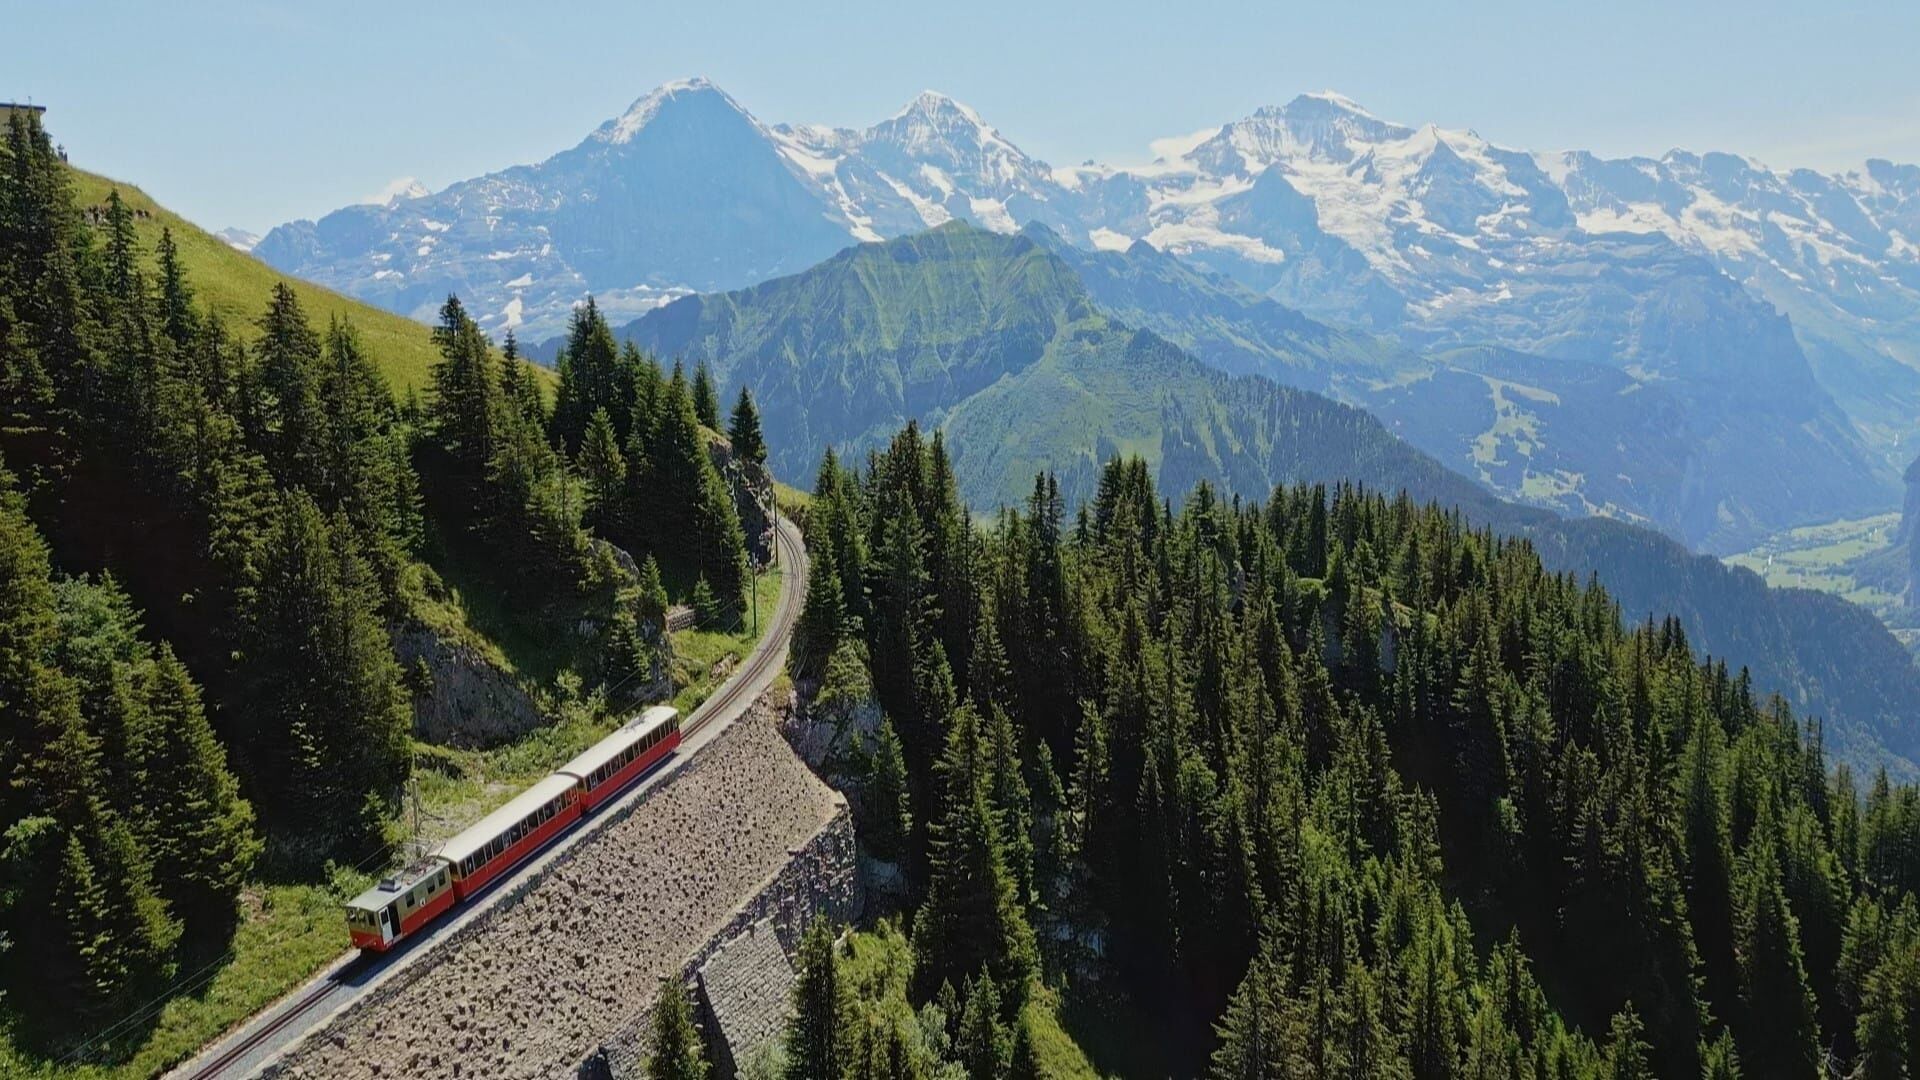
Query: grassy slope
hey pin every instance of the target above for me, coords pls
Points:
(291, 930)
(238, 285)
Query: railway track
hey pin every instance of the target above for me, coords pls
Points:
(246, 1050)
(792, 558)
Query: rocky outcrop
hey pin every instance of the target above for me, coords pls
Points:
(753, 497)
(460, 697)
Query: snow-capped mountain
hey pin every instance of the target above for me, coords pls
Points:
(237, 238)
(1668, 272)
(1840, 255)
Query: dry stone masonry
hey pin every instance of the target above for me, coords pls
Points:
(577, 950)
(819, 879)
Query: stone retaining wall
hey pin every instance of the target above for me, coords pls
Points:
(821, 878)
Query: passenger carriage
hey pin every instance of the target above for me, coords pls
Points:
(608, 766)
(498, 842)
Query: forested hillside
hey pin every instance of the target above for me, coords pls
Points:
(997, 341)
(1331, 785)
(211, 538)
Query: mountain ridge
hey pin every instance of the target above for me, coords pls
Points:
(1432, 238)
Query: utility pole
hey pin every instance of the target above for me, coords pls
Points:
(413, 797)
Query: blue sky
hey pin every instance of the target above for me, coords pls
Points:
(253, 113)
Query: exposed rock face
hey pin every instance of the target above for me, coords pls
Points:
(460, 698)
(752, 487)
(532, 987)
(833, 734)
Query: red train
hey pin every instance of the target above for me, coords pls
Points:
(494, 845)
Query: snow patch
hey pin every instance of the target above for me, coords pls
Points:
(993, 214)
(398, 189)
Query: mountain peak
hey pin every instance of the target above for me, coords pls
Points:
(934, 103)
(1334, 98)
(638, 115)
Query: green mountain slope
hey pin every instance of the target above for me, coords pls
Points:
(1226, 325)
(238, 286)
(1001, 343)
(998, 339)
(1704, 460)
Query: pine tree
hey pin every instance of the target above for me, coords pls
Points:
(971, 921)
(691, 519)
(675, 1051)
(651, 603)
(330, 719)
(1626, 1051)
(288, 373)
(706, 403)
(707, 610)
(588, 367)
(179, 319)
(116, 924)
(985, 1046)
(818, 1041)
(604, 469)
(200, 830)
(889, 819)
(743, 430)
(823, 614)
(1258, 1032)
(464, 408)
(1777, 1035)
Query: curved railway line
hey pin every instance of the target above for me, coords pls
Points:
(242, 1051)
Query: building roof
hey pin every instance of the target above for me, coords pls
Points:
(480, 833)
(14, 105)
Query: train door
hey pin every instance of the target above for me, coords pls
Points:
(386, 925)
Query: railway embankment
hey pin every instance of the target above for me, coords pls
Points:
(819, 879)
(572, 957)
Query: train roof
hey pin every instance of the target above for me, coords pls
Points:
(480, 833)
(387, 888)
(613, 745)
(652, 717)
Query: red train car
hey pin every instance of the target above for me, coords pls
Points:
(608, 766)
(498, 842)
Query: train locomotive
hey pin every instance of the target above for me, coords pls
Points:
(490, 848)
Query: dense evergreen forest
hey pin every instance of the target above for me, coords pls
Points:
(1337, 785)
(208, 535)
